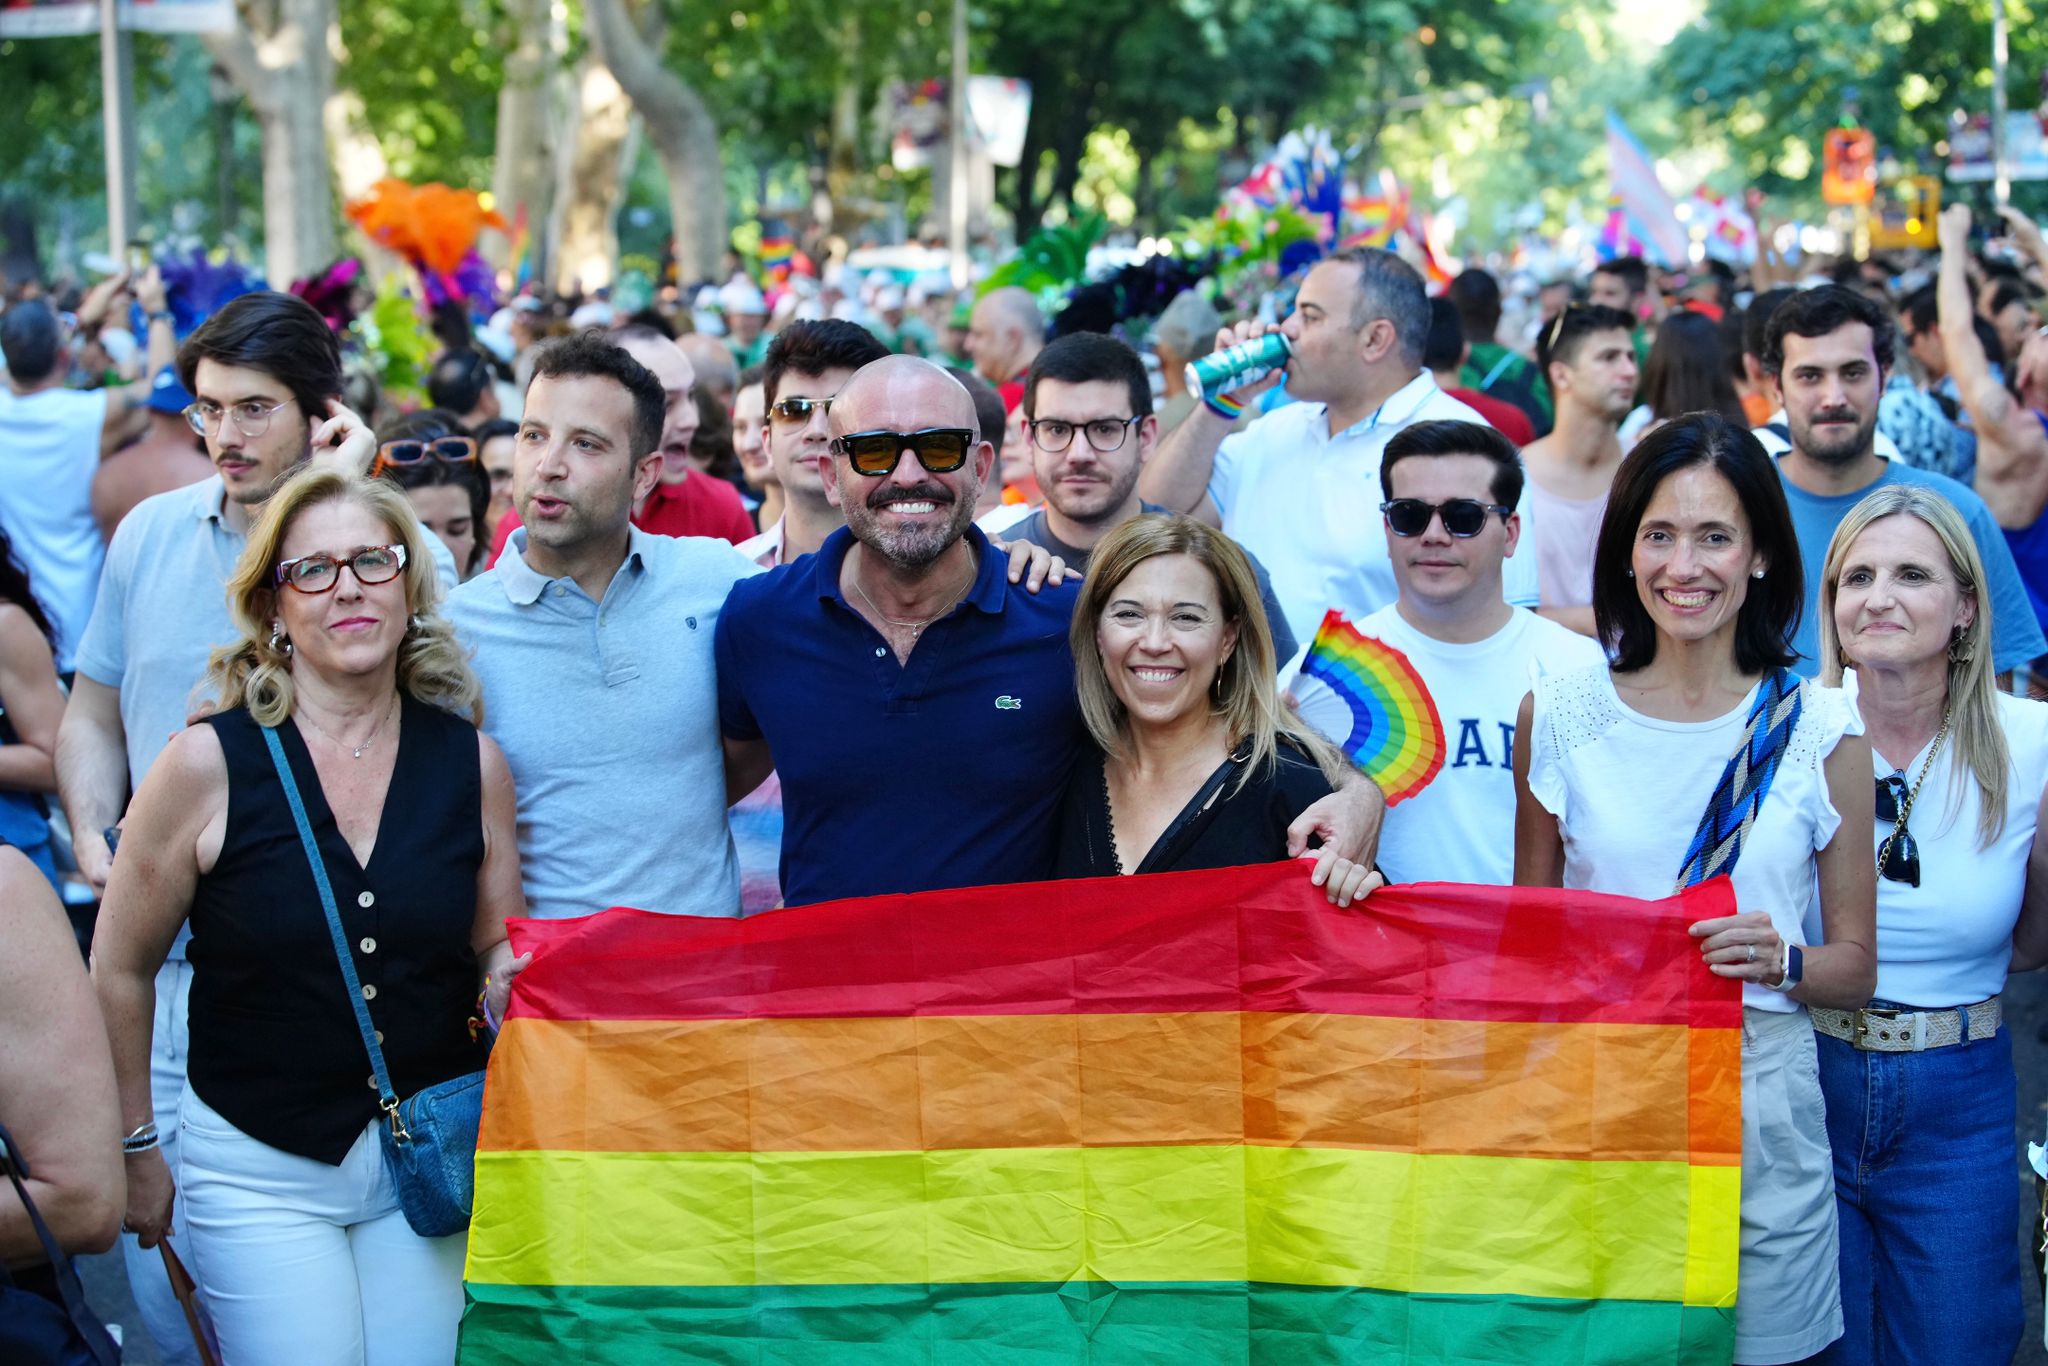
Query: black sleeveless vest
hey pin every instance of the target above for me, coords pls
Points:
(275, 1049)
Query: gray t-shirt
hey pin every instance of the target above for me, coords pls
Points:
(1035, 530)
(608, 715)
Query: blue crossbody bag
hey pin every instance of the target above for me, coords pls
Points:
(430, 1137)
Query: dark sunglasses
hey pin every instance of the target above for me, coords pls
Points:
(449, 450)
(1901, 862)
(797, 411)
(1463, 517)
(941, 450)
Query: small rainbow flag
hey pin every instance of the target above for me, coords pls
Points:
(1396, 738)
(1191, 1118)
(776, 255)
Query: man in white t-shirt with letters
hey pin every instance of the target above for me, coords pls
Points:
(1451, 489)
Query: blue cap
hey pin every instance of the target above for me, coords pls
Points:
(166, 395)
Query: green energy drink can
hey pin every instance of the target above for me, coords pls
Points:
(1248, 362)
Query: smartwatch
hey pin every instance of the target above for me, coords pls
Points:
(1795, 969)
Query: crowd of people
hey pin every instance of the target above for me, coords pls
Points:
(1702, 579)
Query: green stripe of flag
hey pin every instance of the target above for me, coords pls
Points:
(1170, 1324)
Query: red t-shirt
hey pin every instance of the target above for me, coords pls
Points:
(1510, 421)
(701, 505)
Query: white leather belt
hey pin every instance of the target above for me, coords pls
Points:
(1907, 1031)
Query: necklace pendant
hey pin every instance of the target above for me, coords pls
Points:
(355, 753)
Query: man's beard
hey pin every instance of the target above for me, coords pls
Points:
(1835, 445)
(911, 547)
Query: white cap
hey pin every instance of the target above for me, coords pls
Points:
(739, 295)
(596, 313)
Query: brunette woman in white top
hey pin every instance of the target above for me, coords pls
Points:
(1696, 581)
(1919, 1086)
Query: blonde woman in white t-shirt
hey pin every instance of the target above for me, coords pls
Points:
(1919, 1086)
(1697, 584)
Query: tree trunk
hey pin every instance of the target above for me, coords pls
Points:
(679, 125)
(590, 182)
(521, 179)
(282, 58)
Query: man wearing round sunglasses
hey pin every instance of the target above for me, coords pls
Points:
(1298, 487)
(1450, 490)
(1089, 421)
(921, 713)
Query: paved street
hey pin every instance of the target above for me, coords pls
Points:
(2026, 1015)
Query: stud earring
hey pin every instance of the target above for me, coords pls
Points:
(1756, 573)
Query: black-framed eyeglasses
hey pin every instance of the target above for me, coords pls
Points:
(941, 450)
(449, 450)
(250, 419)
(797, 411)
(1463, 517)
(1053, 435)
(1901, 855)
(319, 573)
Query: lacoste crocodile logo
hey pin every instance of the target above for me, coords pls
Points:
(1009, 703)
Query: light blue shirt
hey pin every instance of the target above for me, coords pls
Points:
(608, 715)
(2015, 634)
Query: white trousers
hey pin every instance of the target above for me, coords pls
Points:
(305, 1264)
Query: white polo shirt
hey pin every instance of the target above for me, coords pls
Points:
(1307, 503)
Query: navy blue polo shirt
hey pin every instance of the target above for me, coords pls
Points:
(945, 771)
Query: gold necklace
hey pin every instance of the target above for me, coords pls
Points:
(1906, 806)
(355, 751)
(916, 625)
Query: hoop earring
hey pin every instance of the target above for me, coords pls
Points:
(280, 643)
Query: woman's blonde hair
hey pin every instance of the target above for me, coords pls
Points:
(256, 671)
(1244, 694)
(1974, 730)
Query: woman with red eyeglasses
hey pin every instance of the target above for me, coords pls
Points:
(346, 721)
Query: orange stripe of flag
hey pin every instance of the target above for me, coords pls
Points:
(1603, 1092)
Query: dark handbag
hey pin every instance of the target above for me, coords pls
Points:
(35, 1331)
(430, 1139)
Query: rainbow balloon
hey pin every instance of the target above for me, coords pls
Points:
(1397, 738)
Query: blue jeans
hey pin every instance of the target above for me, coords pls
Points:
(1925, 1183)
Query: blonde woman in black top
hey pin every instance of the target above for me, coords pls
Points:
(283, 1200)
(1200, 765)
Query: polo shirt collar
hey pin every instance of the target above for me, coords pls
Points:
(1398, 410)
(991, 579)
(211, 503)
(524, 584)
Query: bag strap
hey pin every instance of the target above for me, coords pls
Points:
(62, 1271)
(1745, 781)
(387, 1099)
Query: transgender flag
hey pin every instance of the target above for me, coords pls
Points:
(1193, 1119)
(1648, 213)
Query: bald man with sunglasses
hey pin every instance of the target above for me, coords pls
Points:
(920, 710)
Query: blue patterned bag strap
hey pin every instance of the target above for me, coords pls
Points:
(387, 1099)
(1745, 782)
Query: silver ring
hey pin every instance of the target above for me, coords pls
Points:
(1752, 954)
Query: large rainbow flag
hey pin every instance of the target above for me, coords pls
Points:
(1182, 1119)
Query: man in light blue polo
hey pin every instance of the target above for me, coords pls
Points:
(593, 641)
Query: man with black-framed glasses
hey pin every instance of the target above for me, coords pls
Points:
(1090, 429)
